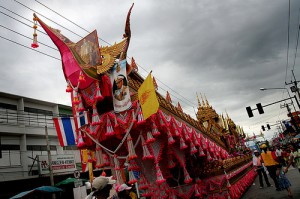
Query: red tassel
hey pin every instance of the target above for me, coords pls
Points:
(81, 78)
(150, 138)
(187, 178)
(130, 148)
(171, 163)
(69, 89)
(116, 162)
(132, 165)
(161, 121)
(176, 132)
(197, 193)
(193, 149)
(98, 95)
(204, 143)
(170, 138)
(201, 153)
(146, 153)
(154, 130)
(109, 128)
(195, 140)
(159, 177)
(99, 156)
(95, 116)
(209, 158)
(186, 134)
(143, 184)
(140, 118)
(80, 142)
(212, 147)
(75, 97)
(80, 106)
(132, 179)
(182, 144)
(106, 160)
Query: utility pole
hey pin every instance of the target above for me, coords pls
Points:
(292, 118)
(49, 160)
(295, 82)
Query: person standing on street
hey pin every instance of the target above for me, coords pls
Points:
(271, 165)
(294, 158)
(278, 153)
(259, 168)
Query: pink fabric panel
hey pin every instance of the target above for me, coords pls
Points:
(70, 66)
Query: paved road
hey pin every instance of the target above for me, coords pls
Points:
(254, 192)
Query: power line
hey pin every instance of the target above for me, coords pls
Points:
(16, 14)
(20, 21)
(48, 19)
(27, 37)
(288, 40)
(29, 48)
(297, 40)
(69, 20)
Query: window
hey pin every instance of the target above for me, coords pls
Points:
(8, 106)
(37, 117)
(37, 111)
(11, 155)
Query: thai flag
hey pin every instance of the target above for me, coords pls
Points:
(66, 130)
(82, 119)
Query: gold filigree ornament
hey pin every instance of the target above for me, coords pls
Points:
(109, 55)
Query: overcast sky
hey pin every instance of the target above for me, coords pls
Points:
(225, 50)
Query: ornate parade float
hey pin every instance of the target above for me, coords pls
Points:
(165, 151)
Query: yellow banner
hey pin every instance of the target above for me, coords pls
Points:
(147, 97)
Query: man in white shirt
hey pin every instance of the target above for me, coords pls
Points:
(279, 156)
(259, 168)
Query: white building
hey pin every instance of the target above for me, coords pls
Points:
(22, 135)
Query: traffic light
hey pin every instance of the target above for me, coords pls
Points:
(263, 128)
(260, 108)
(268, 126)
(249, 111)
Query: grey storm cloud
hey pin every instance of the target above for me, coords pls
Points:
(225, 50)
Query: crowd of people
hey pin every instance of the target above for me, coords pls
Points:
(269, 161)
(276, 161)
(104, 187)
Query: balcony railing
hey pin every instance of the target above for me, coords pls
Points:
(13, 117)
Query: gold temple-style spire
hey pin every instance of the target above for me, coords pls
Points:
(207, 104)
(203, 102)
(199, 103)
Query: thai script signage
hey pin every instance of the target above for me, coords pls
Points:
(60, 163)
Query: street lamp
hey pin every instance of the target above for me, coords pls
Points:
(264, 89)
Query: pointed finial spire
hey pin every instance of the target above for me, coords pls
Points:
(207, 104)
(179, 107)
(168, 97)
(203, 102)
(227, 114)
(199, 104)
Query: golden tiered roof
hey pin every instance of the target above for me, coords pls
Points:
(205, 111)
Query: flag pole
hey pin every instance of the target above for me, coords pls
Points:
(49, 160)
(90, 168)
